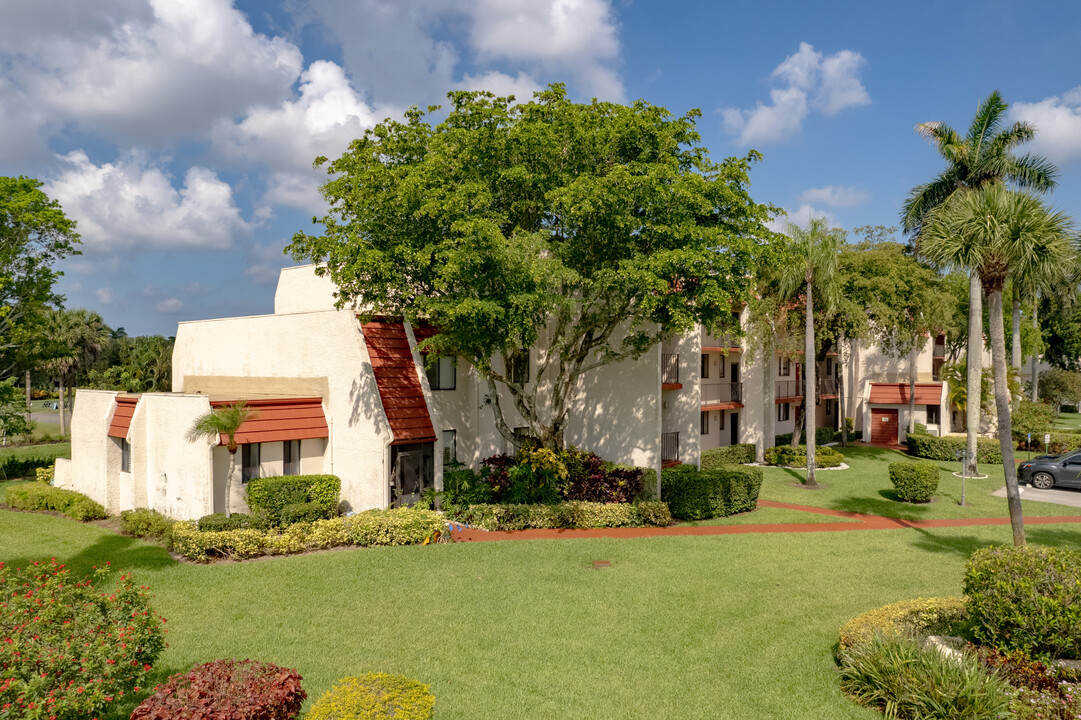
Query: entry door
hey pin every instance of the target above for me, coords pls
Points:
(884, 426)
(733, 419)
(412, 471)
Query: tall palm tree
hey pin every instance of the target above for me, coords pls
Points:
(988, 232)
(816, 253)
(225, 420)
(77, 338)
(982, 157)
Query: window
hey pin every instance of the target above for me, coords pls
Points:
(829, 407)
(829, 366)
(782, 411)
(704, 421)
(784, 367)
(720, 425)
(125, 455)
(450, 447)
(249, 462)
(291, 457)
(705, 368)
(443, 373)
(519, 367)
(932, 415)
(721, 373)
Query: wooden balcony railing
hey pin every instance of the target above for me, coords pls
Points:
(670, 368)
(788, 389)
(723, 393)
(669, 447)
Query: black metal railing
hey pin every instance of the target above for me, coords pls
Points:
(788, 388)
(670, 447)
(723, 393)
(670, 368)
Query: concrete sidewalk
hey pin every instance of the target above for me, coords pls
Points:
(1071, 498)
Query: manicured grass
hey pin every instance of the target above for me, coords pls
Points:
(62, 449)
(738, 626)
(865, 488)
(771, 516)
(1068, 420)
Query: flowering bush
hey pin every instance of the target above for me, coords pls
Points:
(375, 696)
(70, 648)
(1042, 692)
(225, 690)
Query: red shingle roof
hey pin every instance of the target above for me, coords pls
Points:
(897, 393)
(280, 419)
(399, 386)
(125, 408)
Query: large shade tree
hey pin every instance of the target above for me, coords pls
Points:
(988, 232)
(983, 156)
(591, 230)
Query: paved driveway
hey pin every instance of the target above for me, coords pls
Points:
(1058, 497)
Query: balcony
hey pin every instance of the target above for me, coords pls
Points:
(827, 387)
(786, 390)
(721, 343)
(670, 371)
(669, 449)
(723, 396)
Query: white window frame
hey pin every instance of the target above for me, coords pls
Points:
(443, 373)
(450, 446)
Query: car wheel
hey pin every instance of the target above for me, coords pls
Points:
(1043, 481)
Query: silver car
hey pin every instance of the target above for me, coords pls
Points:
(1050, 471)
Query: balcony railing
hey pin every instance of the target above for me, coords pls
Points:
(827, 386)
(788, 388)
(670, 368)
(720, 341)
(723, 393)
(670, 447)
(939, 352)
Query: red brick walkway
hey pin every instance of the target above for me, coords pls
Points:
(863, 522)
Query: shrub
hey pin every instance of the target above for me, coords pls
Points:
(45, 475)
(568, 515)
(14, 466)
(924, 616)
(693, 495)
(267, 497)
(919, 428)
(35, 496)
(303, 512)
(914, 480)
(593, 480)
(895, 675)
(1043, 691)
(788, 456)
(72, 646)
(731, 455)
(224, 690)
(236, 521)
(946, 448)
(823, 436)
(1026, 598)
(1029, 417)
(374, 697)
(462, 486)
(1062, 441)
(147, 524)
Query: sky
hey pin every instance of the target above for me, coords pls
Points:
(179, 134)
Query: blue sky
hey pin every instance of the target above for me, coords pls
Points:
(179, 133)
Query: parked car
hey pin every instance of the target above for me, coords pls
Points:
(1048, 471)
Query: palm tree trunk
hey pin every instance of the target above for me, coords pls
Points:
(1002, 407)
(1035, 356)
(1015, 347)
(912, 391)
(229, 482)
(809, 382)
(768, 406)
(63, 410)
(974, 363)
(28, 396)
(841, 393)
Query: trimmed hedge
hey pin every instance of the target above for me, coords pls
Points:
(946, 448)
(914, 480)
(788, 456)
(397, 526)
(37, 496)
(563, 516)
(269, 496)
(376, 696)
(225, 690)
(15, 466)
(731, 455)
(1062, 441)
(148, 525)
(823, 436)
(924, 616)
(694, 495)
(1026, 598)
(217, 522)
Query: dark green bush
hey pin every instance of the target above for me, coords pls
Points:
(462, 486)
(946, 448)
(726, 490)
(823, 436)
(267, 497)
(1029, 417)
(148, 525)
(16, 467)
(731, 455)
(567, 515)
(302, 512)
(236, 521)
(914, 480)
(1026, 598)
(36, 496)
(788, 456)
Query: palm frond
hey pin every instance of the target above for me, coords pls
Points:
(1033, 172)
(225, 420)
(923, 198)
(986, 122)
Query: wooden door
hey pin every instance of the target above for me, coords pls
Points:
(884, 426)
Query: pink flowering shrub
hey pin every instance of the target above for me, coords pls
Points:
(69, 648)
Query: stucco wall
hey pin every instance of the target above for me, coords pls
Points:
(301, 290)
(92, 462)
(177, 471)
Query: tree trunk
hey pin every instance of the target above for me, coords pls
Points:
(1002, 407)
(841, 393)
(974, 362)
(63, 417)
(797, 424)
(912, 390)
(768, 428)
(810, 393)
(1015, 348)
(1035, 356)
(229, 481)
(28, 406)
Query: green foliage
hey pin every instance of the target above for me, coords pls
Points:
(914, 480)
(895, 675)
(796, 456)
(71, 649)
(566, 515)
(25, 465)
(1059, 387)
(13, 422)
(1029, 417)
(148, 525)
(235, 521)
(823, 436)
(919, 616)
(374, 697)
(36, 496)
(226, 690)
(945, 449)
(1026, 598)
(224, 420)
(45, 475)
(720, 492)
(731, 455)
(462, 486)
(269, 496)
(303, 512)
(134, 364)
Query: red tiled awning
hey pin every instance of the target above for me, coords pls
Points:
(897, 394)
(279, 420)
(399, 386)
(125, 409)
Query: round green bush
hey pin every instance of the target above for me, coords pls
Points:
(373, 697)
(1026, 598)
(217, 522)
(914, 480)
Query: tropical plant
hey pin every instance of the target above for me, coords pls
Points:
(225, 420)
(989, 231)
(982, 157)
(76, 338)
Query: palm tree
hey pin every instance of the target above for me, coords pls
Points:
(77, 339)
(983, 157)
(988, 232)
(225, 420)
(816, 250)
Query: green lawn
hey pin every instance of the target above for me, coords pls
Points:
(1068, 420)
(58, 449)
(770, 516)
(738, 626)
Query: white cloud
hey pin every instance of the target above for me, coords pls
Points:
(169, 305)
(836, 196)
(133, 205)
(105, 295)
(807, 80)
(1058, 125)
(800, 216)
(521, 86)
